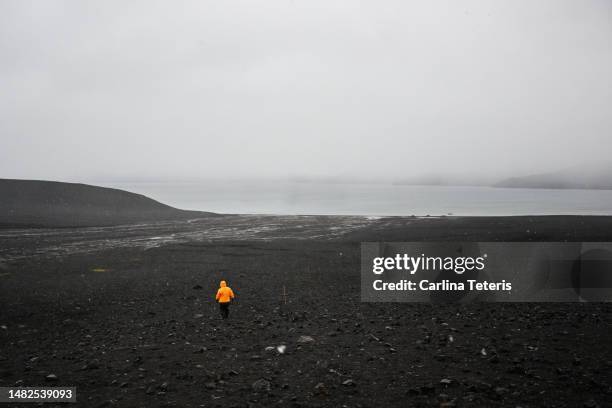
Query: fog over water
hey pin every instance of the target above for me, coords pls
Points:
(286, 198)
(150, 90)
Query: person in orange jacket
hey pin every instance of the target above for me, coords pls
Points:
(225, 294)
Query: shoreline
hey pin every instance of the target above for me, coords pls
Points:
(63, 226)
(16, 244)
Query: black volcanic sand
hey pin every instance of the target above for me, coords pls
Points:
(136, 327)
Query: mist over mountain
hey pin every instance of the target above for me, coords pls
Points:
(439, 179)
(56, 204)
(598, 176)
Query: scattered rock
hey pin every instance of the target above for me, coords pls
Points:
(443, 397)
(305, 339)
(320, 388)
(501, 391)
(198, 287)
(479, 386)
(92, 365)
(51, 377)
(261, 385)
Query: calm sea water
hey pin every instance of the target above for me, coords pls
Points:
(370, 199)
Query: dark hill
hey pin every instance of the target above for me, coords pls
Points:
(55, 204)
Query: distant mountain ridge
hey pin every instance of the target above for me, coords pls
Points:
(55, 204)
(596, 176)
(593, 177)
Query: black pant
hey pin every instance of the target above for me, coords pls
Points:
(224, 309)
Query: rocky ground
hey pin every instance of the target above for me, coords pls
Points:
(136, 326)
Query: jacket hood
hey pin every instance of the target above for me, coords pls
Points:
(223, 284)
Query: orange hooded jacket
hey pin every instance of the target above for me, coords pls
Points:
(225, 294)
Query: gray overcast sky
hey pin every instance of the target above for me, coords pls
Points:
(143, 89)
